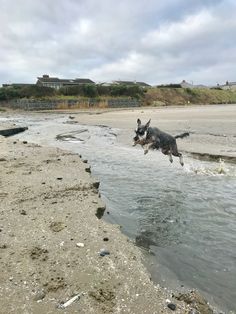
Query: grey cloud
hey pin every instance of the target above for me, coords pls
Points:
(155, 41)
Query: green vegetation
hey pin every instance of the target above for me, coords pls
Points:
(182, 96)
(153, 96)
(31, 91)
(85, 90)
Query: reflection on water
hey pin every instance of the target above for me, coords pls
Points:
(185, 216)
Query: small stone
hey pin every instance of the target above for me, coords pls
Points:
(96, 184)
(80, 244)
(105, 239)
(23, 212)
(59, 178)
(100, 211)
(172, 306)
(25, 142)
(88, 169)
(104, 252)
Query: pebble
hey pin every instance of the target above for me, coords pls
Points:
(172, 306)
(104, 252)
(80, 244)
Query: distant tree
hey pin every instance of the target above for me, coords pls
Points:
(90, 90)
(36, 91)
(103, 90)
(2, 94)
(8, 93)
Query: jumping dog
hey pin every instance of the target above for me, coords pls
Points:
(153, 138)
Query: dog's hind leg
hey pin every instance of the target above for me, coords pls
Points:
(181, 160)
(170, 157)
(176, 153)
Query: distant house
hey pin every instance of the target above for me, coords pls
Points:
(131, 83)
(57, 83)
(228, 85)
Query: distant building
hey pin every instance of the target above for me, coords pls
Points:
(228, 85)
(131, 83)
(57, 83)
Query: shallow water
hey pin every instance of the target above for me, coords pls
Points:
(184, 216)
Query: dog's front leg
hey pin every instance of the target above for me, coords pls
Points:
(146, 148)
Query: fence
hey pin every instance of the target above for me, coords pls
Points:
(29, 104)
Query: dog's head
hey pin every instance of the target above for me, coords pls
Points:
(141, 130)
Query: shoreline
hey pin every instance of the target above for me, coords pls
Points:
(51, 239)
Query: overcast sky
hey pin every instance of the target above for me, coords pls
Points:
(155, 41)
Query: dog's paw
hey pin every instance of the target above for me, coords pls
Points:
(145, 152)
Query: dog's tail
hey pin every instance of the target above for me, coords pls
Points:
(182, 135)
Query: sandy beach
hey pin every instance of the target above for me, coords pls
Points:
(53, 244)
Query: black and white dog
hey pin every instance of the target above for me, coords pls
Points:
(153, 138)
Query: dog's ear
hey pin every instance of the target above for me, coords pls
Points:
(139, 122)
(148, 123)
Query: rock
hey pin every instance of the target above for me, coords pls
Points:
(100, 212)
(59, 178)
(12, 131)
(88, 169)
(25, 142)
(104, 252)
(106, 239)
(23, 212)
(80, 244)
(96, 184)
(171, 306)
